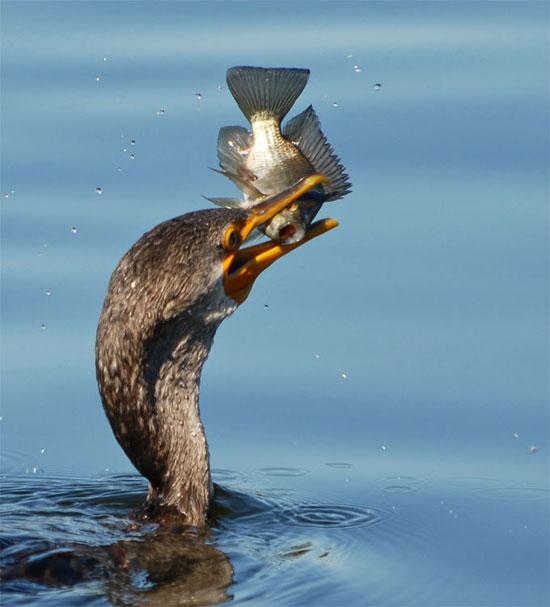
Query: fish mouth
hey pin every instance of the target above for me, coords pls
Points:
(242, 266)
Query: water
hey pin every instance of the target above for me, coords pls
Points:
(419, 478)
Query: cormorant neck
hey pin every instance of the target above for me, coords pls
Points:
(174, 360)
(149, 381)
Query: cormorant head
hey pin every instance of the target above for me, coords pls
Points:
(242, 265)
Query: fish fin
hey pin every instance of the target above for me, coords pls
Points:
(254, 236)
(233, 147)
(245, 186)
(268, 92)
(304, 131)
(227, 203)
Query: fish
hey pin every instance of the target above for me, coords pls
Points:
(269, 159)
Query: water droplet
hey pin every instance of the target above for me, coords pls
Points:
(125, 150)
(198, 96)
(132, 156)
(266, 306)
(119, 169)
(98, 190)
(43, 327)
(357, 69)
(220, 87)
(451, 511)
(42, 451)
(515, 435)
(533, 449)
(317, 356)
(161, 112)
(104, 58)
(74, 230)
(334, 104)
(349, 56)
(12, 192)
(377, 86)
(35, 470)
(344, 375)
(6, 195)
(132, 142)
(98, 78)
(231, 143)
(384, 447)
(48, 292)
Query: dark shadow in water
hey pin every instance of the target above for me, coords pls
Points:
(164, 564)
(126, 560)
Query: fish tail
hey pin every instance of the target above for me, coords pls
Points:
(268, 92)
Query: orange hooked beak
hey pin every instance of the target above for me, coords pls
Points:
(241, 267)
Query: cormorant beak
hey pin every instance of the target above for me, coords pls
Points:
(242, 266)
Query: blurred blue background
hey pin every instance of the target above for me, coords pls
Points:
(412, 340)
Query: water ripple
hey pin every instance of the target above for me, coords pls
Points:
(331, 515)
(283, 471)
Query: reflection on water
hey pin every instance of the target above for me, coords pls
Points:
(74, 539)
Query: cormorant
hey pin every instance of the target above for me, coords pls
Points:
(165, 301)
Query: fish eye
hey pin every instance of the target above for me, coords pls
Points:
(231, 238)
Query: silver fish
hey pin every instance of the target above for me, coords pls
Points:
(269, 160)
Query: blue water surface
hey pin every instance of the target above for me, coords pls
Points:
(393, 371)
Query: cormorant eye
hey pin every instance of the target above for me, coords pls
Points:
(231, 239)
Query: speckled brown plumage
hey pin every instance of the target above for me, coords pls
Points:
(164, 303)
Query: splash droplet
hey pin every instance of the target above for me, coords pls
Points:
(48, 292)
(132, 156)
(98, 190)
(344, 375)
(334, 104)
(220, 87)
(377, 86)
(357, 69)
(198, 96)
(119, 169)
(42, 451)
(384, 448)
(317, 356)
(104, 58)
(74, 230)
(43, 327)
(161, 112)
(533, 449)
(98, 78)
(349, 56)
(132, 142)
(515, 435)
(125, 150)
